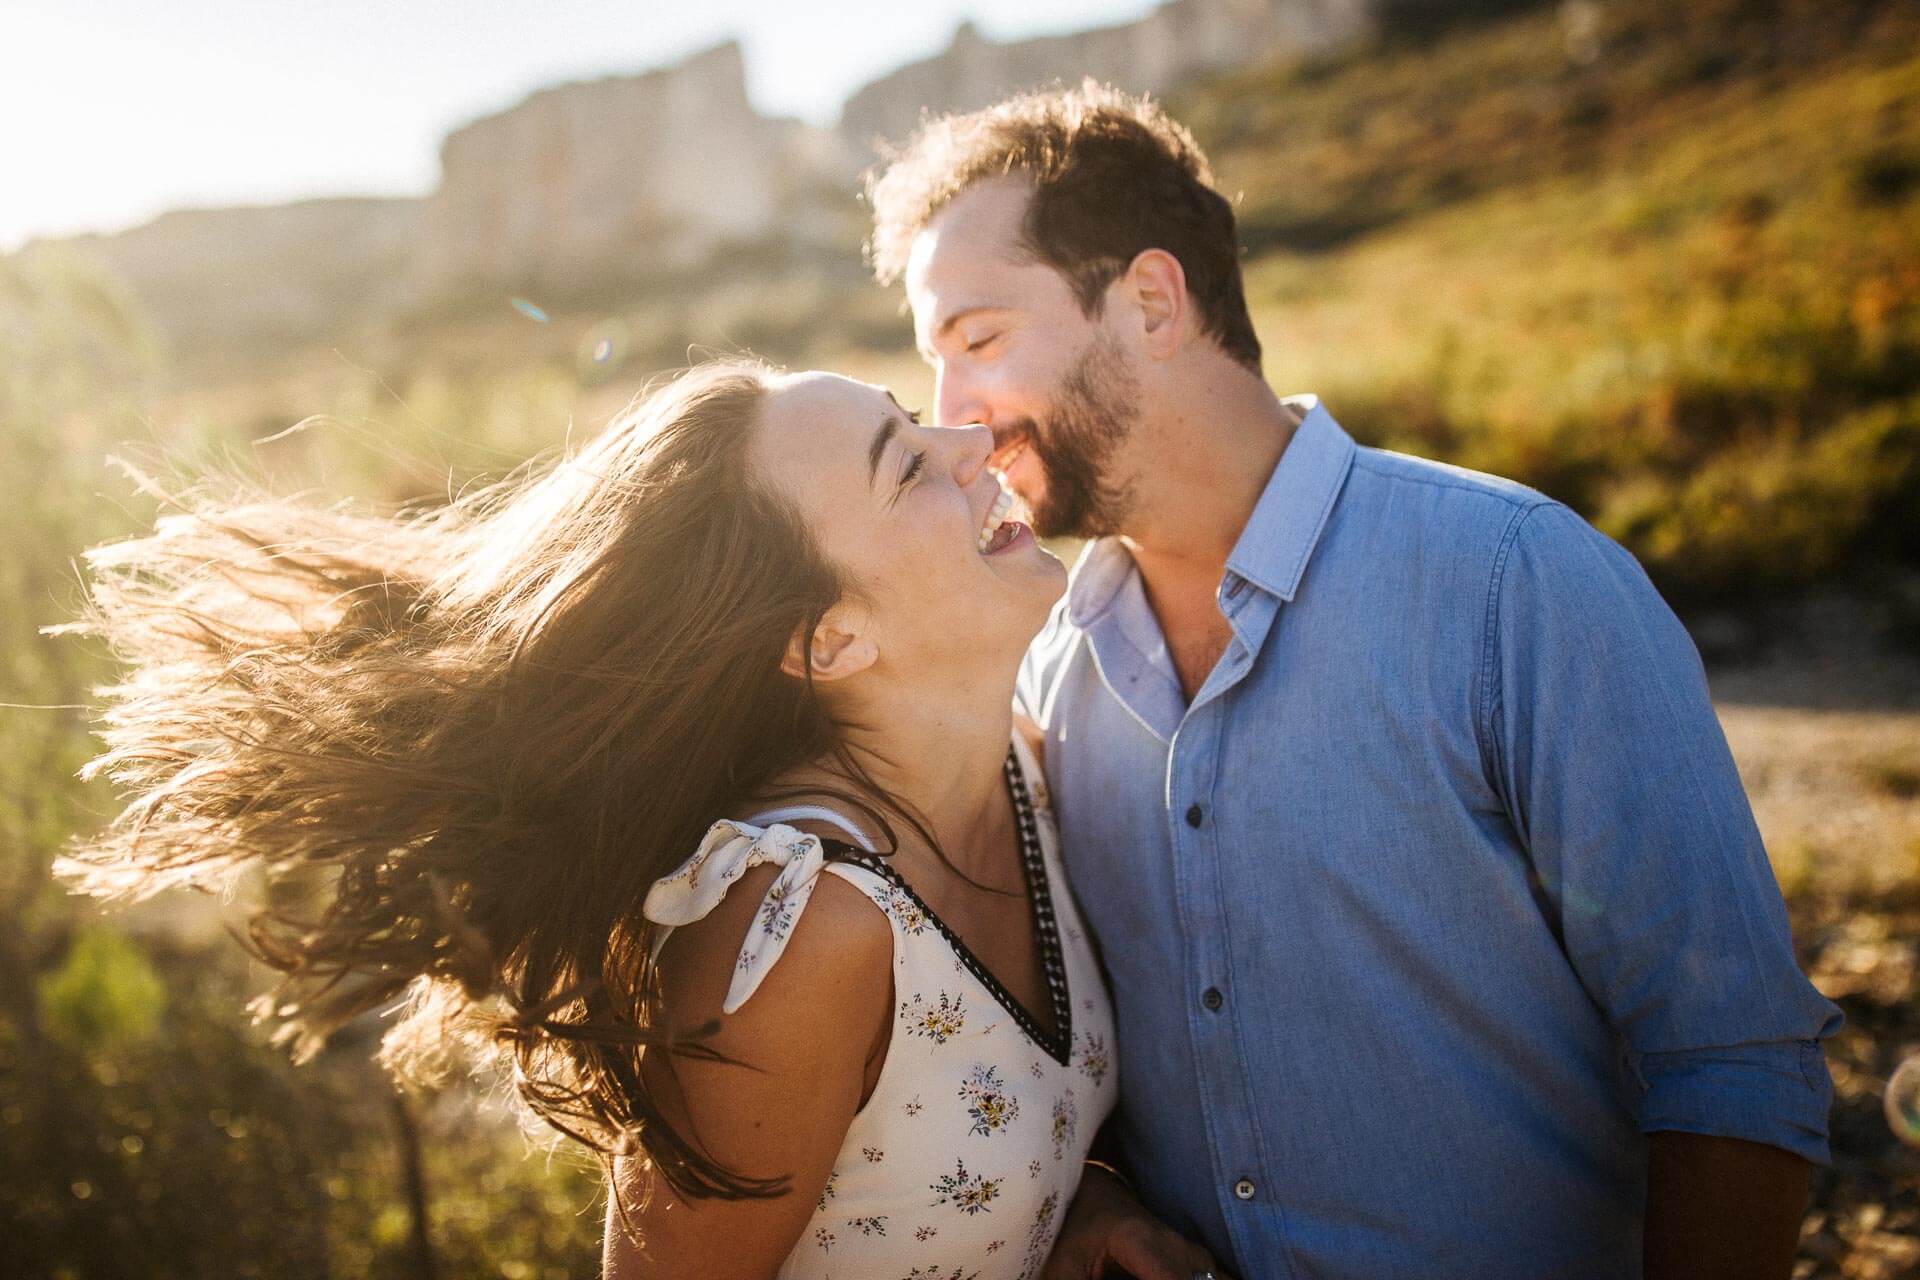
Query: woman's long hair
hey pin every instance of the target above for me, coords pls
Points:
(485, 729)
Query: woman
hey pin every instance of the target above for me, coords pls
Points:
(683, 772)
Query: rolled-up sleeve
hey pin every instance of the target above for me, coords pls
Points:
(1616, 774)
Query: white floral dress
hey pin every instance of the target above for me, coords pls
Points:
(962, 1162)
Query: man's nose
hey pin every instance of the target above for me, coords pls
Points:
(972, 446)
(956, 401)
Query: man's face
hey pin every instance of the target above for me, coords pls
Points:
(1011, 348)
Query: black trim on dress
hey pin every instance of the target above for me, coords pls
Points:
(1058, 1043)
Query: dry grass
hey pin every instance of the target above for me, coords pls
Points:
(1828, 746)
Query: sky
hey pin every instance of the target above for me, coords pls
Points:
(112, 111)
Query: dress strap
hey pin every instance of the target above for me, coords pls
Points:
(729, 850)
(817, 813)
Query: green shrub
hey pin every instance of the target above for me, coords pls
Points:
(104, 996)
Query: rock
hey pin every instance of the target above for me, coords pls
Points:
(623, 177)
(1178, 40)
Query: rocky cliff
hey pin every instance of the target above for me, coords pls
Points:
(1178, 40)
(624, 178)
(589, 188)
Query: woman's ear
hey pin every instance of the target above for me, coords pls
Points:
(835, 653)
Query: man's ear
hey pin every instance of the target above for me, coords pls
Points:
(835, 653)
(1157, 286)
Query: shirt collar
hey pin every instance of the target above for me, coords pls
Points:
(1286, 524)
(1097, 577)
(1279, 537)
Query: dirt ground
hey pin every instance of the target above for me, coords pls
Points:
(1828, 744)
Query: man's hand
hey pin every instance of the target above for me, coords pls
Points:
(1108, 1233)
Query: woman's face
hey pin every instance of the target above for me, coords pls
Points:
(900, 508)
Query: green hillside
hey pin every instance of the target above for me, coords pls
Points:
(1661, 260)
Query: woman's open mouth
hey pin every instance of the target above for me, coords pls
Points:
(1009, 533)
(997, 532)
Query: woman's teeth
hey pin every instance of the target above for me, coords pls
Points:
(995, 515)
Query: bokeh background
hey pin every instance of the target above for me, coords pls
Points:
(1659, 258)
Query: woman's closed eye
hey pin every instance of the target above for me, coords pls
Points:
(976, 344)
(914, 468)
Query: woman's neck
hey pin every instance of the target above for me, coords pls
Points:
(940, 753)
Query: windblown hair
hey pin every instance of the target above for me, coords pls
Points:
(463, 742)
(1112, 177)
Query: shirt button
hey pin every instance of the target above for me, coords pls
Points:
(1213, 999)
(1194, 815)
(1243, 1189)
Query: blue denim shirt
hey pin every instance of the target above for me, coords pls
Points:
(1439, 896)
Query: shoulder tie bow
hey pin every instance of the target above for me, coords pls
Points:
(729, 851)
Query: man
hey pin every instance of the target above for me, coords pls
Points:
(1442, 939)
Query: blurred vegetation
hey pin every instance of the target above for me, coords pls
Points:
(1660, 259)
(145, 1129)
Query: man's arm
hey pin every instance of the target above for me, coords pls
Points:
(1598, 731)
(1721, 1208)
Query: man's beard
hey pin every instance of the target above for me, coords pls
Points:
(1095, 411)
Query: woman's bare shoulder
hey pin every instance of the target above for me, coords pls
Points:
(782, 1077)
(840, 949)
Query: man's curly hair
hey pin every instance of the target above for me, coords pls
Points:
(1112, 176)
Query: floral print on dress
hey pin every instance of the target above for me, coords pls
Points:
(899, 904)
(1019, 1103)
(969, 1193)
(988, 1101)
(777, 911)
(1066, 1125)
(1040, 1235)
(1090, 1055)
(939, 1021)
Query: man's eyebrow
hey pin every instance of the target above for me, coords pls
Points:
(888, 426)
(956, 316)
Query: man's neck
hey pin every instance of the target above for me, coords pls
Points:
(1213, 454)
